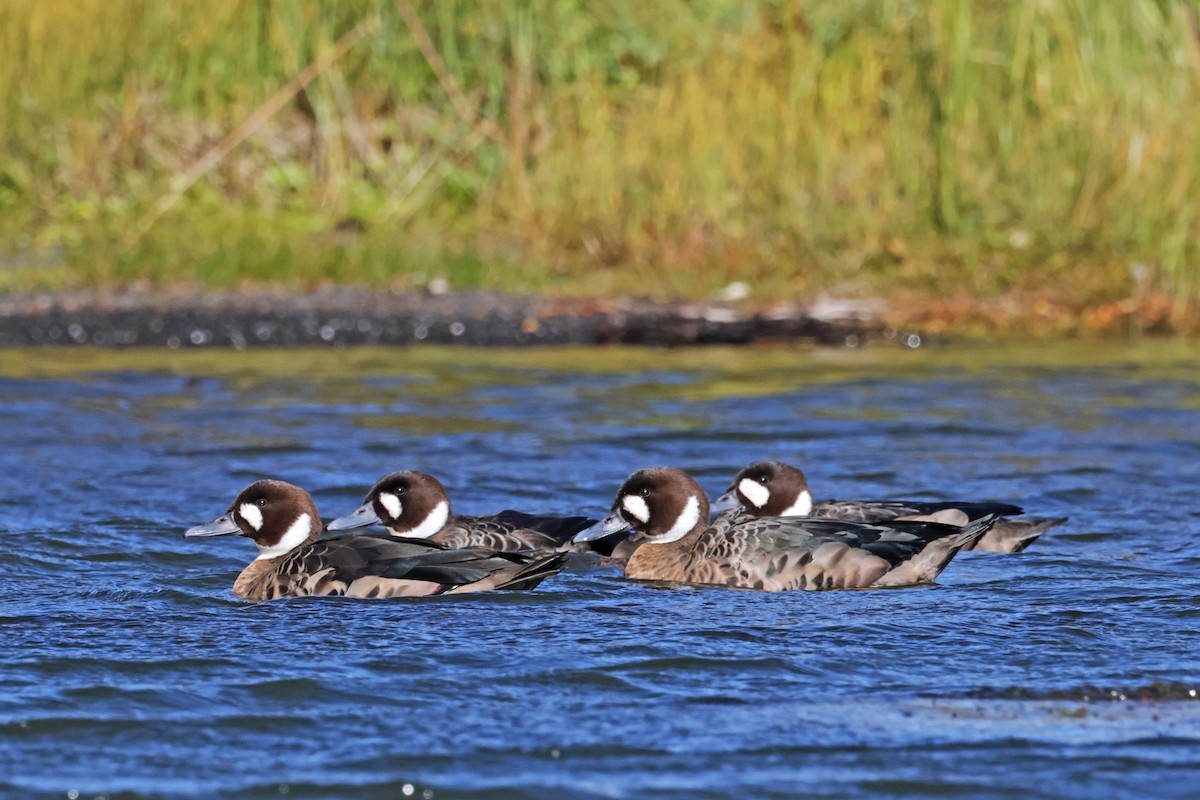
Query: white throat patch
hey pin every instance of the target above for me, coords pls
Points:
(250, 513)
(801, 508)
(434, 522)
(636, 507)
(392, 503)
(293, 537)
(683, 524)
(755, 492)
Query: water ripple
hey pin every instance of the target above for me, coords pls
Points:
(125, 647)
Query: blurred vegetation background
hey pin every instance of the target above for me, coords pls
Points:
(1042, 149)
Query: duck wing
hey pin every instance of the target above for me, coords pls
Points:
(781, 553)
(514, 530)
(884, 510)
(378, 565)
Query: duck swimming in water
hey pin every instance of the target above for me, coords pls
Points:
(415, 505)
(282, 520)
(775, 489)
(670, 514)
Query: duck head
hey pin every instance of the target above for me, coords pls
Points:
(660, 504)
(410, 504)
(768, 489)
(277, 516)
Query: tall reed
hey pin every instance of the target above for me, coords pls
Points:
(659, 148)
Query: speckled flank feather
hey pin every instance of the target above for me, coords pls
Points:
(512, 530)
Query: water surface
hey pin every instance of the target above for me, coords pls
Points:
(129, 670)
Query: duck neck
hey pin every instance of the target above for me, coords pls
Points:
(250, 584)
(665, 561)
(436, 521)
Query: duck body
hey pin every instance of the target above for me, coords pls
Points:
(511, 530)
(670, 511)
(380, 566)
(782, 554)
(771, 488)
(1005, 536)
(415, 505)
(283, 522)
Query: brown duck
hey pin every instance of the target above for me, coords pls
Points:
(415, 505)
(670, 513)
(282, 520)
(775, 489)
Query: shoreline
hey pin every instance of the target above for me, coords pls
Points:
(352, 316)
(190, 317)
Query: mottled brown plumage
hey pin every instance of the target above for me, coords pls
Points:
(378, 565)
(784, 486)
(670, 512)
(415, 504)
(283, 521)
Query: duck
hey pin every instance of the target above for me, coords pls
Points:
(775, 489)
(282, 520)
(669, 513)
(415, 505)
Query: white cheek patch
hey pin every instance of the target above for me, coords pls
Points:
(636, 507)
(755, 492)
(434, 522)
(252, 515)
(392, 503)
(296, 535)
(684, 523)
(801, 508)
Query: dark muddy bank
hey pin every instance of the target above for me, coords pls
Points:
(352, 317)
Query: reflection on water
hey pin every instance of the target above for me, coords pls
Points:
(124, 646)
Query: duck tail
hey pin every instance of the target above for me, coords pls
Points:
(972, 532)
(938, 555)
(533, 573)
(925, 566)
(1014, 535)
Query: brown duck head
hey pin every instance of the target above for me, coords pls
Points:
(277, 516)
(410, 504)
(768, 489)
(661, 504)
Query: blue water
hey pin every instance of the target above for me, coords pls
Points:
(128, 670)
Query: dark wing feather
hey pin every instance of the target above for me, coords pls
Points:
(560, 528)
(451, 566)
(353, 556)
(884, 510)
(530, 575)
(895, 542)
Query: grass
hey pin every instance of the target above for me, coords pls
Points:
(1030, 148)
(432, 371)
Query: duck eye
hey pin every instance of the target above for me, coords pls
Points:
(762, 479)
(262, 503)
(644, 492)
